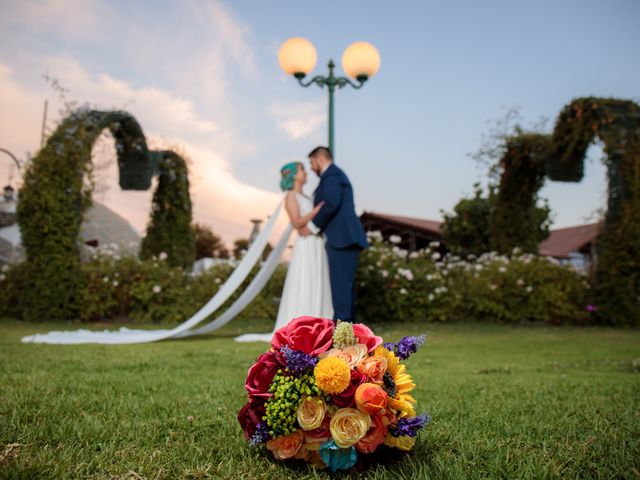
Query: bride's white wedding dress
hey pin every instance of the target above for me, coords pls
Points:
(307, 290)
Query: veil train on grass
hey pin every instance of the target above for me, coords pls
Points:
(242, 271)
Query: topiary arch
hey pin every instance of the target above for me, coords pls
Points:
(169, 227)
(617, 124)
(57, 190)
(515, 220)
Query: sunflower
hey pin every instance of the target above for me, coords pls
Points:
(398, 384)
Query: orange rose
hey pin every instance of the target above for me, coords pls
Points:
(371, 399)
(373, 367)
(352, 355)
(286, 446)
(376, 434)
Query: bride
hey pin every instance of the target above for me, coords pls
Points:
(306, 288)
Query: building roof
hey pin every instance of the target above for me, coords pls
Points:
(563, 241)
(560, 244)
(427, 226)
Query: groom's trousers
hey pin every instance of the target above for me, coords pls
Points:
(343, 263)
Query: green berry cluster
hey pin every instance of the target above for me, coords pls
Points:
(343, 335)
(282, 408)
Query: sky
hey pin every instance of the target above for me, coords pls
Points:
(202, 76)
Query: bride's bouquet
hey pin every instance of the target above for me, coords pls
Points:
(329, 394)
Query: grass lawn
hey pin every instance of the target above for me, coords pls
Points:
(506, 402)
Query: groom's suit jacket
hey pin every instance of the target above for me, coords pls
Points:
(337, 218)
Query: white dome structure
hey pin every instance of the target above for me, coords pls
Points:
(102, 226)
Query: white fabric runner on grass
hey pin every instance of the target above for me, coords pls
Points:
(126, 336)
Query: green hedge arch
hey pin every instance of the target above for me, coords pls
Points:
(515, 219)
(56, 193)
(561, 156)
(169, 227)
(617, 124)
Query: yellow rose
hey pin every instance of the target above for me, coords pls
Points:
(348, 426)
(401, 443)
(352, 354)
(311, 412)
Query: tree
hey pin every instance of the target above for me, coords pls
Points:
(466, 230)
(208, 244)
(518, 216)
(241, 245)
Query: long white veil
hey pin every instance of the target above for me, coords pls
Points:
(253, 255)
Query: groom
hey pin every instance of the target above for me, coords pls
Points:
(345, 236)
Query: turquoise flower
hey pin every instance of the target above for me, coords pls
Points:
(337, 458)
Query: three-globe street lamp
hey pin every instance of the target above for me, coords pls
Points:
(360, 61)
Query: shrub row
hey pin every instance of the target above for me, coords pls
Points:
(392, 285)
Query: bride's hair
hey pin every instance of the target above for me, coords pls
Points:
(288, 175)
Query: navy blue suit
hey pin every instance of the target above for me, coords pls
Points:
(345, 238)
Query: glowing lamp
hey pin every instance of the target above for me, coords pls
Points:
(297, 56)
(360, 61)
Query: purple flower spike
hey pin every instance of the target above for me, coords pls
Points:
(298, 362)
(409, 427)
(261, 434)
(406, 347)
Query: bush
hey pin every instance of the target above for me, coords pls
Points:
(116, 288)
(395, 285)
(392, 286)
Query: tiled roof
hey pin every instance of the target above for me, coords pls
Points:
(560, 244)
(430, 226)
(563, 241)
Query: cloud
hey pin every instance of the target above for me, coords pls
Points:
(20, 115)
(298, 120)
(231, 33)
(176, 81)
(70, 18)
(168, 120)
(166, 113)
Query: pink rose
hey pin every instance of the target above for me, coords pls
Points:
(310, 335)
(365, 335)
(261, 375)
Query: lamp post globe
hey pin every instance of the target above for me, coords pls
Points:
(297, 56)
(361, 61)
